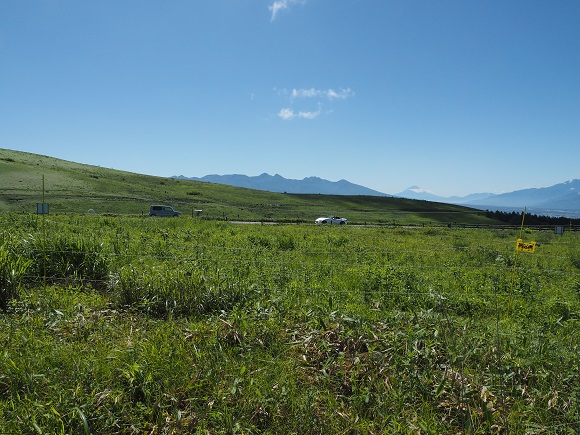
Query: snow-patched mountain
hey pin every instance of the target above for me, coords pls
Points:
(277, 183)
(415, 192)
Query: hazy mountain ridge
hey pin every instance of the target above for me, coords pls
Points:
(415, 192)
(277, 183)
(562, 199)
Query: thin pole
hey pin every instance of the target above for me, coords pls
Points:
(43, 237)
(516, 262)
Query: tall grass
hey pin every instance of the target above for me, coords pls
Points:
(168, 290)
(13, 267)
(185, 326)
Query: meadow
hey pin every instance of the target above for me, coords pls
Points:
(67, 187)
(130, 325)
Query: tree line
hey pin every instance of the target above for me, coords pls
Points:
(530, 219)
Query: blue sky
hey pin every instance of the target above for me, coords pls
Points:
(456, 96)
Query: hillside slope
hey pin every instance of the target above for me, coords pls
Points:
(75, 188)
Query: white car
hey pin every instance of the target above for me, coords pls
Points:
(331, 220)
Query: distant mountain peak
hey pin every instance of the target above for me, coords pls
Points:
(417, 189)
(278, 183)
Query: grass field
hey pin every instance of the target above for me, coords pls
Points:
(123, 324)
(76, 188)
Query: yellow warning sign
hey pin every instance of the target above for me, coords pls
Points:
(525, 246)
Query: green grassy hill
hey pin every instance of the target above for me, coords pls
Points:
(75, 188)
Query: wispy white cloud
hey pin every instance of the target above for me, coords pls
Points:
(304, 93)
(309, 115)
(286, 114)
(342, 94)
(329, 94)
(280, 5)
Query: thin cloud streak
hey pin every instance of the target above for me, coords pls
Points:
(329, 94)
(309, 115)
(288, 114)
(280, 5)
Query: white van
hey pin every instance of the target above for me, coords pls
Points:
(163, 211)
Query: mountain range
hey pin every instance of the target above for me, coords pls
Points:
(561, 199)
(277, 183)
